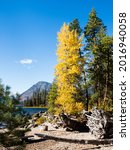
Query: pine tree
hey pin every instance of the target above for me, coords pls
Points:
(92, 29)
(95, 35)
(74, 25)
(106, 48)
(52, 96)
(12, 117)
(68, 70)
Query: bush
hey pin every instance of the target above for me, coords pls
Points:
(40, 120)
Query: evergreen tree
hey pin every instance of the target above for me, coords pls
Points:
(46, 97)
(74, 25)
(52, 96)
(12, 117)
(92, 29)
(68, 70)
(106, 48)
(39, 98)
(95, 52)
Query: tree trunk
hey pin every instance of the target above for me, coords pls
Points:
(106, 89)
(107, 80)
(87, 98)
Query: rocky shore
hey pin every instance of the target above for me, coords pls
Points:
(54, 135)
(49, 132)
(48, 144)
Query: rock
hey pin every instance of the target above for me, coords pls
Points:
(35, 125)
(35, 119)
(74, 125)
(30, 126)
(99, 123)
(56, 127)
(36, 115)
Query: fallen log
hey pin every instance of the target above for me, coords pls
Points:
(80, 141)
(60, 139)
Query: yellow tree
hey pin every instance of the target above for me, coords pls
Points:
(68, 70)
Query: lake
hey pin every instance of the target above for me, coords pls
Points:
(29, 111)
(32, 111)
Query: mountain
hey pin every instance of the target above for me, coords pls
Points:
(41, 85)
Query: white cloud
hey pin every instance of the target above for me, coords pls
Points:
(26, 61)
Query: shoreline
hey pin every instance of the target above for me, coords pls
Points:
(35, 107)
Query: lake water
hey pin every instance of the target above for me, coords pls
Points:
(32, 111)
(29, 111)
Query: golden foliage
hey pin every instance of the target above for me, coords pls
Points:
(68, 70)
(40, 120)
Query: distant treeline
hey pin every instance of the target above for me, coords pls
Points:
(39, 98)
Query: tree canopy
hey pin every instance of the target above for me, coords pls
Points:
(68, 70)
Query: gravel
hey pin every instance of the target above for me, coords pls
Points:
(63, 145)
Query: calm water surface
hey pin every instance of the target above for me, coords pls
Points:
(32, 111)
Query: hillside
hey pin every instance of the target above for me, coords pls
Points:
(38, 87)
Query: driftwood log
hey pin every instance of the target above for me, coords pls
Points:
(99, 123)
(80, 141)
(73, 124)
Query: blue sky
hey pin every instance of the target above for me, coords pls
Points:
(28, 36)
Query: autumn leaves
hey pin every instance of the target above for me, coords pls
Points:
(68, 70)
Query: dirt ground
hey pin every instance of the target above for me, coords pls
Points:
(54, 144)
(63, 145)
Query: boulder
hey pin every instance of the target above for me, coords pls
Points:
(73, 124)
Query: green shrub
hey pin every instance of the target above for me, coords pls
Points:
(40, 120)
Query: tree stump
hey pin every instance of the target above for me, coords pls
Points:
(99, 123)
